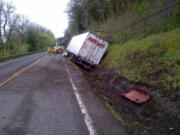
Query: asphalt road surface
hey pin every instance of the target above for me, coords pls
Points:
(50, 98)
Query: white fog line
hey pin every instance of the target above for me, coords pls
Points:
(87, 118)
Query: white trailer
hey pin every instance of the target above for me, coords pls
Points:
(87, 48)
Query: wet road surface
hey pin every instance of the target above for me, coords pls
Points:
(42, 101)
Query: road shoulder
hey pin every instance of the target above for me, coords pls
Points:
(103, 120)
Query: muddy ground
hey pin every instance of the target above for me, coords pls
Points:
(156, 117)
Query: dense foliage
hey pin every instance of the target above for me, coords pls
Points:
(112, 15)
(84, 13)
(18, 34)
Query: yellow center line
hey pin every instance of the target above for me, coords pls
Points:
(21, 71)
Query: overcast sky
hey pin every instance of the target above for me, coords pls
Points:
(48, 13)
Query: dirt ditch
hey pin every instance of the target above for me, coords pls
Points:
(156, 117)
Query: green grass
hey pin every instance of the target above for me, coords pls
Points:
(16, 50)
(115, 114)
(154, 60)
(131, 126)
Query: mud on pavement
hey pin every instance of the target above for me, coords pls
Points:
(156, 117)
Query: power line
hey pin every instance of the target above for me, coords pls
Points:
(147, 17)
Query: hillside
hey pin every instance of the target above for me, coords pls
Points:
(144, 52)
(151, 63)
(154, 60)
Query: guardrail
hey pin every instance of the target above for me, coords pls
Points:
(5, 58)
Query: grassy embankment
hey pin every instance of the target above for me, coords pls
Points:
(17, 50)
(154, 60)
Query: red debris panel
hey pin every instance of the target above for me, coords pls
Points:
(138, 95)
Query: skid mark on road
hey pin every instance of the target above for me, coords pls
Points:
(87, 118)
(21, 71)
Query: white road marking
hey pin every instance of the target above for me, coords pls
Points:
(87, 118)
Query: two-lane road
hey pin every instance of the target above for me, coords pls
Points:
(12, 66)
(49, 99)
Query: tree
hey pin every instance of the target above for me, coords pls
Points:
(22, 28)
(18, 34)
